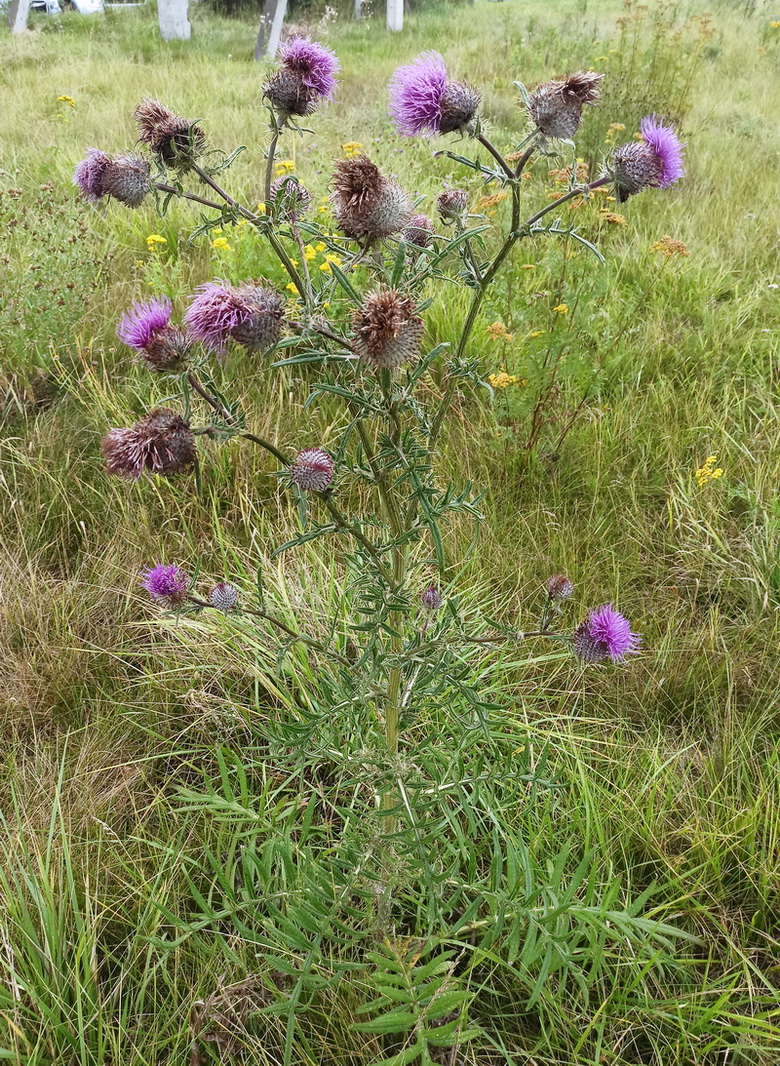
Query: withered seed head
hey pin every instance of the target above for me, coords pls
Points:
(175, 140)
(388, 333)
(126, 178)
(161, 443)
(287, 94)
(365, 203)
(555, 107)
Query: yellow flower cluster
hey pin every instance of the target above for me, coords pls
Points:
(613, 217)
(485, 202)
(772, 25)
(330, 258)
(561, 309)
(612, 132)
(708, 471)
(502, 380)
(284, 166)
(221, 244)
(351, 149)
(155, 240)
(66, 100)
(497, 331)
(668, 247)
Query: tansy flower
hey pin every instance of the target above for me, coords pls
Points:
(669, 247)
(561, 309)
(285, 166)
(612, 217)
(497, 331)
(351, 149)
(502, 380)
(67, 100)
(708, 471)
(155, 240)
(335, 259)
(220, 244)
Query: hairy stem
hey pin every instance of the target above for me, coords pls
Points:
(269, 167)
(496, 155)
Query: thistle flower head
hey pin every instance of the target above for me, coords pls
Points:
(289, 197)
(174, 140)
(166, 583)
(419, 230)
(312, 470)
(654, 162)
(560, 587)
(88, 175)
(452, 204)
(424, 101)
(315, 65)
(224, 596)
(160, 443)
(555, 107)
(127, 179)
(388, 333)
(605, 634)
(431, 599)
(250, 314)
(365, 203)
(146, 328)
(285, 92)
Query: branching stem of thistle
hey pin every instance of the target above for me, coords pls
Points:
(270, 166)
(187, 195)
(250, 216)
(304, 264)
(223, 412)
(496, 155)
(279, 624)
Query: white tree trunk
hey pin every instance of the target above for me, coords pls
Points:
(358, 9)
(172, 16)
(270, 34)
(17, 15)
(395, 15)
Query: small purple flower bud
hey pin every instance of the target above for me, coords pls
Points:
(88, 175)
(312, 470)
(166, 583)
(560, 587)
(431, 599)
(452, 204)
(290, 199)
(224, 596)
(419, 231)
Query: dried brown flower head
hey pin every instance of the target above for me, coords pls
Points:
(161, 442)
(365, 203)
(555, 107)
(388, 333)
(175, 140)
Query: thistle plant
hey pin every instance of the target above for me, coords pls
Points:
(403, 636)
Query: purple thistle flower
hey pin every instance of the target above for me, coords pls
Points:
(423, 101)
(251, 314)
(138, 326)
(315, 65)
(88, 175)
(667, 147)
(605, 634)
(169, 583)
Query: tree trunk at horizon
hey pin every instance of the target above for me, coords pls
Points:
(395, 15)
(18, 13)
(270, 31)
(173, 19)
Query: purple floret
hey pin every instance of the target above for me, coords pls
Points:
(315, 64)
(608, 627)
(138, 326)
(667, 147)
(88, 175)
(166, 583)
(416, 92)
(214, 313)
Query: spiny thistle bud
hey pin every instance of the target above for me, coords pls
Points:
(431, 599)
(423, 100)
(556, 106)
(146, 328)
(161, 442)
(560, 587)
(174, 140)
(654, 162)
(388, 333)
(419, 231)
(126, 178)
(224, 596)
(166, 583)
(452, 204)
(289, 198)
(312, 470)
(250, 314)
(605, 635)
(365, 203)
(287, 95)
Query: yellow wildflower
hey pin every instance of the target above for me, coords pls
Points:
(220, 244)
(669, 247)
(528, 266)
(537, 333)
(561, 309)
(72, 103)
(320, 247)
(335, 259)
(497, 331)
(502, 380)
(155, 240)
(601, 59)
(351, 149)
(772, 25)
(284, 166)
(291, 287)
(708, 471)
(615, 128)
(309, 253)
(613, 217)
(260, 209)
(492, 201)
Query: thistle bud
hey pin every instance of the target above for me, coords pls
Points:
(174, 141)
(224, 596)
(559, 587)
(312, 470)
(419, 231)
(431, 599)
(452, 204)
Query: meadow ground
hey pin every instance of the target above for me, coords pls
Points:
(667, 770)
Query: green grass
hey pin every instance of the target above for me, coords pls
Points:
(667, 769)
